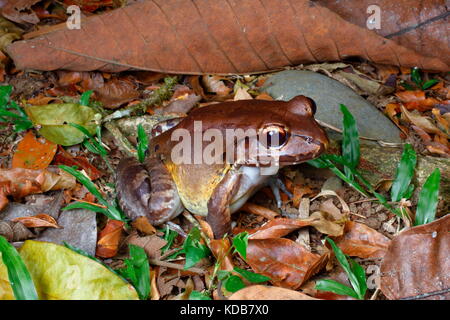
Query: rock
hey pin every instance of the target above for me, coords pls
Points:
(328, 95)
(79, 229)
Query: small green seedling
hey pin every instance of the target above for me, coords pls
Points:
(428, 199)
(355, 274)
(142, 143)
(194, 249)
(240, 244)
(10, 111)
(419, 83)
(195, 295)
(138, 271)
(18, 274)
(112, 211)
(233, 283)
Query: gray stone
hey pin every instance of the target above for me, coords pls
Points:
(79, 229)
(328, 95)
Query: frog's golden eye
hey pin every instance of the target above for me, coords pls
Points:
(274, 136)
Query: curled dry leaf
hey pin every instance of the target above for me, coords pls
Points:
(259, 210)
(260, 292)
(64, 157)
(37, 221)
(14, 231)
(20, 11)
(19, 182)
(287, 263)
(220, 248)
(362, 241)
(33, 153)
(420, 121)
(151, 244)
(417, 263)
(109, 239)
(116, 92)
(280, 227)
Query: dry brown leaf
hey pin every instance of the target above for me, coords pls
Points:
(259, 210)
(181, 37)
(260, 292)
(242, 94)
(280, 227)
(362, 241)
(37, 221)
(221, 251)
(214, 84)
(143, 225)
(20, 11)
(33, 153)
(116, 92)
(152, 244)
(287, 263)
(422, 122)
(416, 100)
(417, 263)
(19, 182)
(109, 239)
(64, 157)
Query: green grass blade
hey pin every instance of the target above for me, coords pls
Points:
(19, 277)
(5, 92)
(85, 97)
(428, 199)
(142, 143)
(350, 140)
(416, 77)
(429, 84)
(404, 174)
(335, 287)
(87, 206)
(139, 261)
(360, 274)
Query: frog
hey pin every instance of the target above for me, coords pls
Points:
(163, 186)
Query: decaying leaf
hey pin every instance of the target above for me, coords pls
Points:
(62, 274)
(280, 227)
(38, 221)
(260, 292)
(109, 239)
(53, 121)
(152, 244)
(14, 231)
(20, 11)
(417, 263)
(287, 263)
(33, 153)
(220, 248)
(19, 182)
(422, 122)
(362, 241)
(116, 92)
(65, 158)
(181, 37)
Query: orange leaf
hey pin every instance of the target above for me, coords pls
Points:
(362, 241)
(416, 100)
(109, 238)
(287, 263)
(64, 157)
(38, 221)
(33, 153)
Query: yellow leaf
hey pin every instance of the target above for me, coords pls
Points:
(6, 292)
(62, 274)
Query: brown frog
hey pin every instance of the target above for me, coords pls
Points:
(163, 185)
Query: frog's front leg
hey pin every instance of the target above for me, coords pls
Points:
(219, 213)
(147, 190)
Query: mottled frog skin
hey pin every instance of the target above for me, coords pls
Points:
(160, 187)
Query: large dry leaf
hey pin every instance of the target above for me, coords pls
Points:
(362, 241)
(194, 37)
(19, 182)
(59, 273)
(417, 263)
(280, 227)
(287, 263)
(420, 25)
(33, 153)
(260, 292)
(109, 239)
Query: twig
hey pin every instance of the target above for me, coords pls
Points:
(426, 295)
(174, 266)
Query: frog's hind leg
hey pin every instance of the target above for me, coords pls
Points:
(147, 191)
(276, 184)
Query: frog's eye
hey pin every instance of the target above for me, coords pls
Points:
(274, 136)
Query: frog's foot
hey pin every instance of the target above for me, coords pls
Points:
(147, 191)
(276, 184)
(219, 212)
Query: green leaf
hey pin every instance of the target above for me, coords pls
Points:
(429, 84)
(87, 206)
(195, 295)
(428, 199)
(193, 249)
(240, 244)
(404, 174)
(318, 163)
(360, 274)
(336, 287)
(54, 121)
(142, 143)
(407, 86)
(416, 77)
(112, 212)
(169, 236)
(5, 92)
(138, 271)
(350, 140)
(18, 275)
(233, 283)
(342, 259)
(85, 97)
(251, 276)
(223, 274)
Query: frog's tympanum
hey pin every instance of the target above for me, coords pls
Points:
(163, 185)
